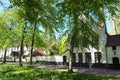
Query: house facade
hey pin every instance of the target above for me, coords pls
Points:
(108, 54)
(91, 55)
(113, 50)
(12, 53)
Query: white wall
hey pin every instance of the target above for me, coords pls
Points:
(111, 54)
(55, 58)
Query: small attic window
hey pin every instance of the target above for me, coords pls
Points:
(113, 47)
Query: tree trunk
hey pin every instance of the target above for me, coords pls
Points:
(14, 59)
(72, 42)
(4, 61)
(32, 43)
(22, 45)
(21, 51)
(70, 69)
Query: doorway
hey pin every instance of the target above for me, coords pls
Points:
(115, 60)
(64, 60)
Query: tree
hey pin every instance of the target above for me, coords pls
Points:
(8, 32)
(3, 37)
(37, 13)
(83, 17)
(63, 46)
(117, 20)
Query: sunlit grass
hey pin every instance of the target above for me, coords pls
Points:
(12, 72)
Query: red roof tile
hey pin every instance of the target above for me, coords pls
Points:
(38, 52)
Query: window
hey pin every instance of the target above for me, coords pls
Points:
(97, 57)
(88, 57)
(80, 58)
(113, 47)
(76, 44)
(74, 57)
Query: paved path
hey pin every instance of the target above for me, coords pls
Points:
(97, 71)
(100, 72)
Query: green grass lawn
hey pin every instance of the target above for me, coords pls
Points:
(12, 72)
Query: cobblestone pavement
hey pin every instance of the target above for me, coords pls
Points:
(95, 71)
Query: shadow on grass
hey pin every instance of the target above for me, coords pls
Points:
(10, 72)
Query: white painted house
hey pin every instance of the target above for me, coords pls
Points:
(113, 49)
(10, 56)
(108, 54)
(91, 55)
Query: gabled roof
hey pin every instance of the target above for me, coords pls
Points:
(113, 40)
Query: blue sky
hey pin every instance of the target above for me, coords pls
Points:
(3, 7)
(109, 25)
